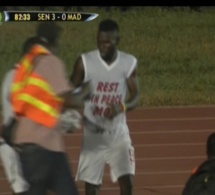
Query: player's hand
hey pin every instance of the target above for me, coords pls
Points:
(69, 121)
(113, 110)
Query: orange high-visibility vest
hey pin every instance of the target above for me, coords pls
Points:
(32, 96)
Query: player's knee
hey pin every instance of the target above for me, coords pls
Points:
(91, 189)
(126, 184)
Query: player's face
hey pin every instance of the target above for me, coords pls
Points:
(107, 42)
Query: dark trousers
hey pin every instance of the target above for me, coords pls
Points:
(46, 170)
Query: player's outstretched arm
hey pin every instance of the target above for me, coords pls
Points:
(76, 98)
(77, 76)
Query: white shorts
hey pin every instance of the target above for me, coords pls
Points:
(12, 168)
(120, 158)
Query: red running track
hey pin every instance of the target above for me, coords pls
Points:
(169, 142)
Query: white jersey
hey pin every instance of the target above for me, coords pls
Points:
(5, 96)
(109, 86)
(8, 156)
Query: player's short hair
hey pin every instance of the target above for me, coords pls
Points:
(29, 43)
(108, 25)
(211, 145)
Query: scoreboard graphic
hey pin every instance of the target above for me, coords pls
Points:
(28, 16)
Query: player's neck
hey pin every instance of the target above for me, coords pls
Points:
(109, 60)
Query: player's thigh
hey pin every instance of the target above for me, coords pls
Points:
(10, 161)
(91, 166)
(12, 167)
(121, 159)
(8, 155)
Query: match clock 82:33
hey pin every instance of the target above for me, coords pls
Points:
(22, 17)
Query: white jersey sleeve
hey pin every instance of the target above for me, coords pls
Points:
(133, 66)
